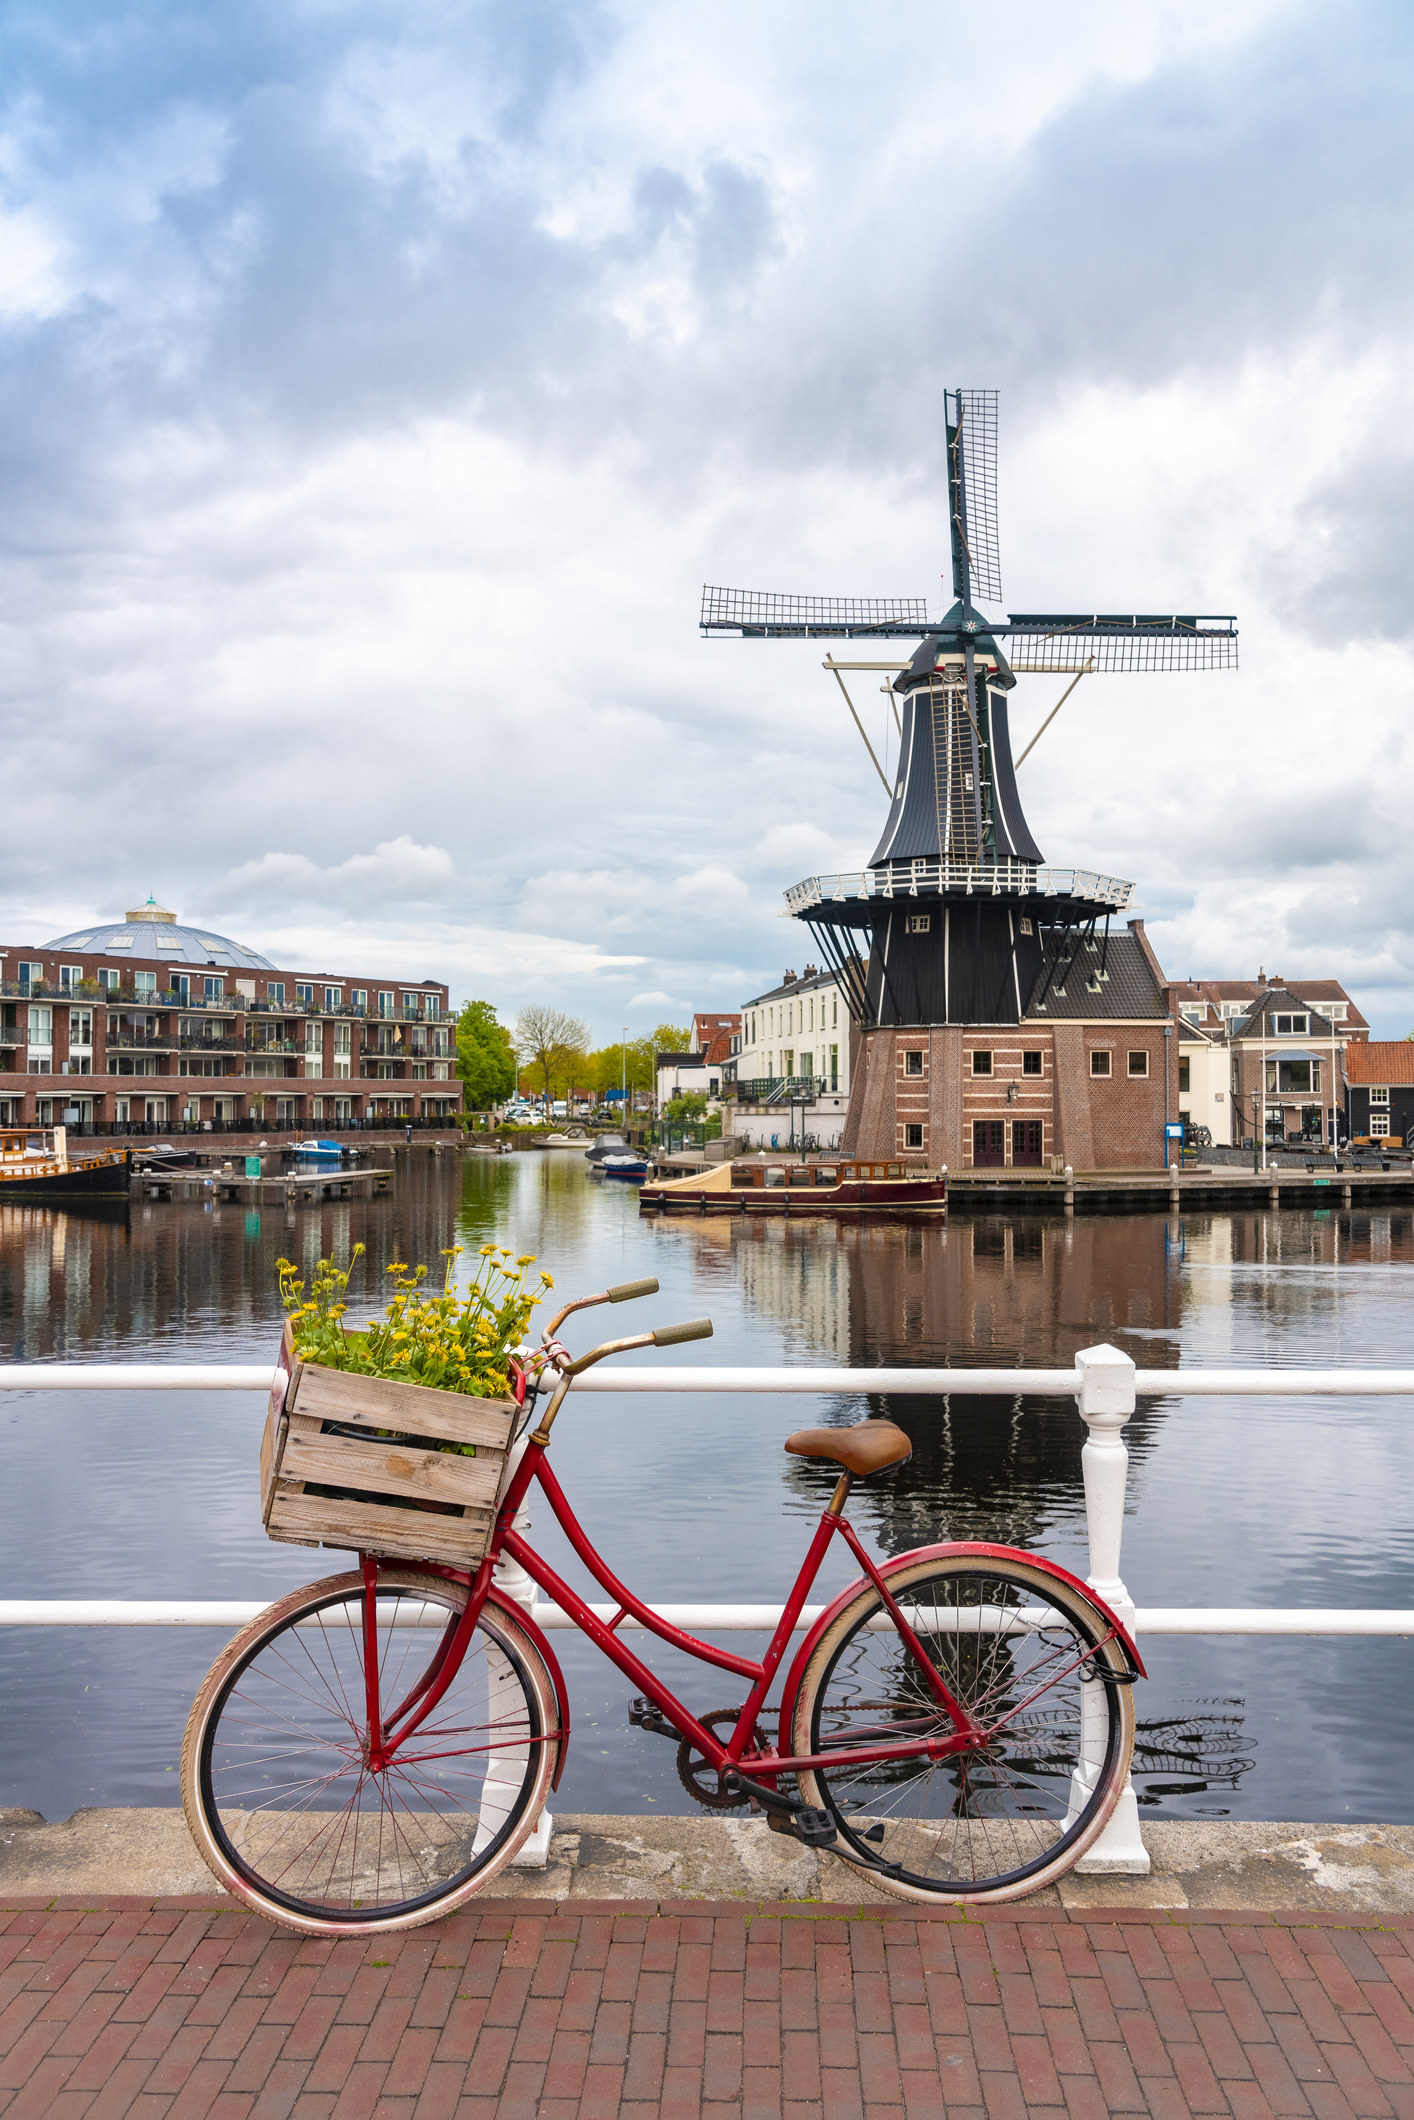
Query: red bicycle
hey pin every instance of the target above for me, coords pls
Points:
(375, 1748)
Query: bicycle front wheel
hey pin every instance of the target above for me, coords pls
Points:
(275, 1778)
(1023, 1653)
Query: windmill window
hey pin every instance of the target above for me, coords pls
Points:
(913, 1063)
(1027, 927)
(913, 1137)
(918, 923)
(981, 1063)
(1031, 1064)
(1138, 1063)
(1099, 1064)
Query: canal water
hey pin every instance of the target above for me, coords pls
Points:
(1232, 1501)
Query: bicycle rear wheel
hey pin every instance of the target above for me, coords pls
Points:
(275, 1780)
(1020, 1651)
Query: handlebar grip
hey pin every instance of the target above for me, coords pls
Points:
(695, 1329)
(627, 1290)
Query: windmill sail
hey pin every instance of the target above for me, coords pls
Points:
(970, 417)
(1112, 641)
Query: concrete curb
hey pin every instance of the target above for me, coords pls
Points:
(1344, 1871)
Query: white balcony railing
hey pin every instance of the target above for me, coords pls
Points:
(1001, 879)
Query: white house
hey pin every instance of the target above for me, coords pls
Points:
(791, 1074)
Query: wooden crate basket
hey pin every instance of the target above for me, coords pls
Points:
(382, 1486)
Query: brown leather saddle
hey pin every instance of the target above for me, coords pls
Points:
(870, 1446)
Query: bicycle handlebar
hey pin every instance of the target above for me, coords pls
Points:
(694, 1329)
(626, 1291)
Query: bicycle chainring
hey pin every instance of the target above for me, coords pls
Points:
(699, 1778)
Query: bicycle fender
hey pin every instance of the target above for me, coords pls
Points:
(972, 1550)
(519, 1617)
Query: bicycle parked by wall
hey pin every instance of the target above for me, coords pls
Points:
(375, 1748)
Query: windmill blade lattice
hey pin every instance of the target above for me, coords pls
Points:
(972, 430)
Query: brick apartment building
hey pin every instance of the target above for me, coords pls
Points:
(147, 1024)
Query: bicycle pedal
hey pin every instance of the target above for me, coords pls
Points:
(644, 1716)
(815, 1828)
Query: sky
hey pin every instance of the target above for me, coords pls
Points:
(384, 380)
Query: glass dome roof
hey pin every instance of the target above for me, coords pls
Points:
(150, 931)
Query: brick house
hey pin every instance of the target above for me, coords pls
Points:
(1087, 1077)
(149, 1025)
(1277, 1045)
(1379, 1090)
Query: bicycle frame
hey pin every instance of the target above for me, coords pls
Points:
(388, 1734)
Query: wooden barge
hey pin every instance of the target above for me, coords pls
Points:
(34, 1165)
(832, 1186)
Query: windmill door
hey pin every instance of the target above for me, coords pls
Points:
(988, 1143)
(1026, 1144)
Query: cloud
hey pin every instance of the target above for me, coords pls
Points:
(380, 385)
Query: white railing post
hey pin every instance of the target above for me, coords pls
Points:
(1106, 1402)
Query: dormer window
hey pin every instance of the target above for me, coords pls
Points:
(1290, 1026)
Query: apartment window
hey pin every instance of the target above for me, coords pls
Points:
(41, 1040)
(835, 1013)
(1289, 1026)
(1334, 1011)
(29, 975)
(1298, 1076)
(333, 995)
(981, 1063)
(1184, 1071)
(215, 989)
(1379, 1096)
(1031, 1064)
(144, 982)
(275, 992)
(69, 977)
(834, 1067)
(358, 998)
(1379, 1124)
(913, 1137)
(1099, 1064)
(304, 995)
(385, 1004)
(314, 1040)
(918, 923)
(1138, 1063)
(80, 1027)
(913, 1063)
(409, 1004)
(108, 977)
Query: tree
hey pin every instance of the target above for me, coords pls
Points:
(671, 1038)
(553, 1046)
(686, 1104)
(486, 1059)
(612, 1066)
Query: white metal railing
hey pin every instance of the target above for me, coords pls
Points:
(1104, 1383)
(998, 879)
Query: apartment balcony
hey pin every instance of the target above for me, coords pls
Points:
(779, 1089)
(119, 1040)
(212, 1042)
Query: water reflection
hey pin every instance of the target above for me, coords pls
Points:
(1232, 1502)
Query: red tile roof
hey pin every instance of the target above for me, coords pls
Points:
(1382, 1061)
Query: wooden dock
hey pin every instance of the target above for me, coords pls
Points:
(290, 1189)
(1046, 1192)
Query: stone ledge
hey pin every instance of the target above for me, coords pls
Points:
(1223, 1866)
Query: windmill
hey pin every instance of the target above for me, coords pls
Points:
(957, 919)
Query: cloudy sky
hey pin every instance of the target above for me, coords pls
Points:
(385, 377)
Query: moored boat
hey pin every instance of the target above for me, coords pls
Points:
(832, 1185)
(627, 1165)
(322, 1151)
(34, 1165)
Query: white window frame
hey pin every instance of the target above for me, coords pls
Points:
(1379, 1096)
(1379, 1125)
(1101, 1064)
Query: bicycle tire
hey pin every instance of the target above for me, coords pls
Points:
(281, 1713)
(1020, 1811)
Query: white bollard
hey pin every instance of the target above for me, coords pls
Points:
(1106, 1402)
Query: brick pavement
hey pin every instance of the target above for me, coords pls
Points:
(173, 2009)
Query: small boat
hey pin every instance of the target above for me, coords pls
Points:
(626, 1165)
(34, 1165)
(163, 1156)
(833, 1185)
(606, 1145)
(322, 1151)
